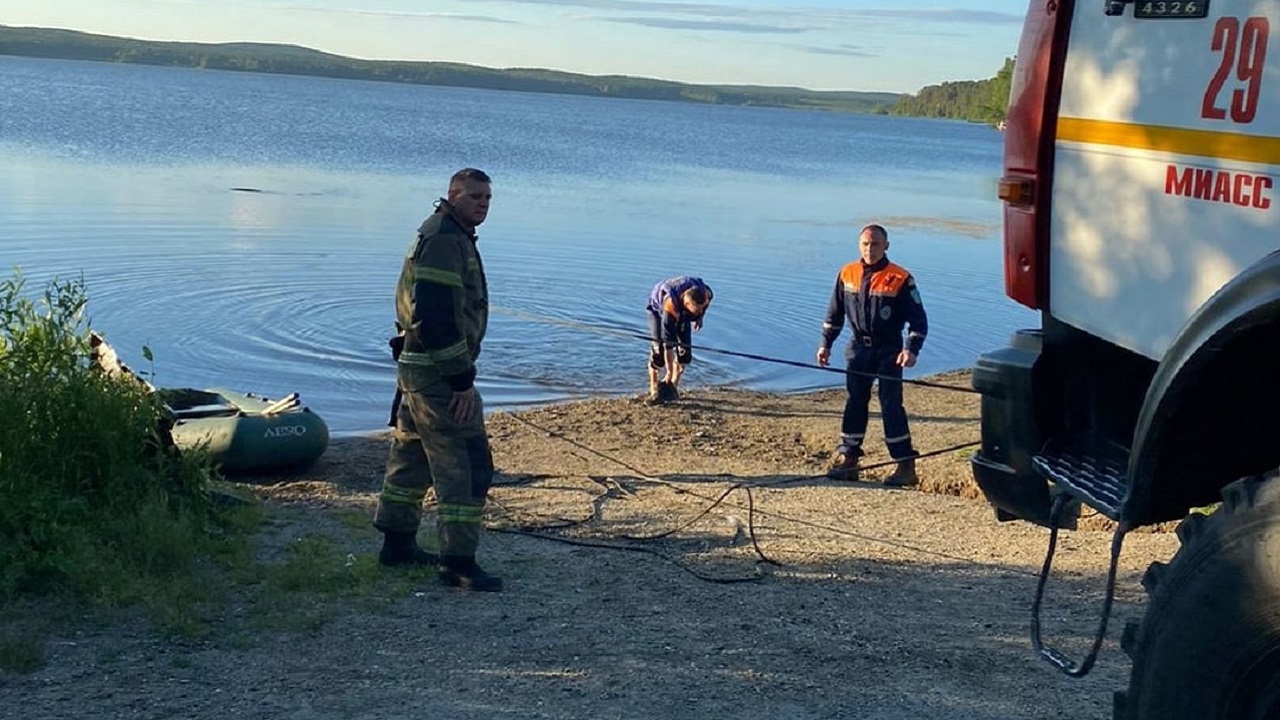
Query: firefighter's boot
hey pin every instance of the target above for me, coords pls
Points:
(463, 572)
(400, 549)
(904, 475)
(844, 467)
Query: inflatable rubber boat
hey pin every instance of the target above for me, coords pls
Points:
(245, 432)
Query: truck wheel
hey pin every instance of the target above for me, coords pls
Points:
(1209, 646)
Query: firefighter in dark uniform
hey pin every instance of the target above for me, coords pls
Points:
(880, 300)
(442, 308)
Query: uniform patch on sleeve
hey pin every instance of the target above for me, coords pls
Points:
(886, 312)
(915, 295)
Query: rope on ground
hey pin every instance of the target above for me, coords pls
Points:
(752, 512)
(632, 545)
(751, 520)
(872, 466)
(540, 531)
(601, 330)
(728, 580)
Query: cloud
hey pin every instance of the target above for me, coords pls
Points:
(407, 14)
(470, 18)
(745, 19)
(842, 50)
(432, 16)
(959, 16)
(968, 17)
(678, 8)
(712, 25)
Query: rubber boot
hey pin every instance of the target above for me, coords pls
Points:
(400, 549)
(844, 467)
(904, 475)
(663, 394)
(463, 572)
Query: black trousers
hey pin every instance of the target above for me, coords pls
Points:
(853, 427)
(666, 332)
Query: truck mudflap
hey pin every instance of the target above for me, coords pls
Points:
(1011, 435)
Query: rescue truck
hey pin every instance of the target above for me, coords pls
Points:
(1141, 219)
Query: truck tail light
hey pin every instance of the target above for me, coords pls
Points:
(1016, 190)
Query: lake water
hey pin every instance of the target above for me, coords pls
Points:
(127, 176)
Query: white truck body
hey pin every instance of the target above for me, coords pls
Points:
(1141, 193)
(1166, 166)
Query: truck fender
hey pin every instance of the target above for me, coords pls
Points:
(1189, 441)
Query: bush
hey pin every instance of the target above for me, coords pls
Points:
(92, 497)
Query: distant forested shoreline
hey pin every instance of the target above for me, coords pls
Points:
(972, 100)
(965, 100)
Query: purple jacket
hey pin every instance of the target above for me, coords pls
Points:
(665, 297)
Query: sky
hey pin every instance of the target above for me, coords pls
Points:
(873, 45)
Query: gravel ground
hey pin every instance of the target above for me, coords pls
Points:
(771, 593)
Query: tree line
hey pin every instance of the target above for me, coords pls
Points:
(976, 100)
(295, 60)
(972, 100)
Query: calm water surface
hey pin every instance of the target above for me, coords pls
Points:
(132, 177)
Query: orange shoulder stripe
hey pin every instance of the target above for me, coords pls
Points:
(890, 280)
(851, 274)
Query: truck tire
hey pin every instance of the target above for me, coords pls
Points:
(1209, 645)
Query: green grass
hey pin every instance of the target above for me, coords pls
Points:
(317, 580)
(102, 521)
(21, 653)
(96, 510)
(87, 487)
(357, 521)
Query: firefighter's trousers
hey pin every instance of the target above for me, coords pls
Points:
(428, 449)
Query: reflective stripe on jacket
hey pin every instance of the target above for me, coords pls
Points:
(442, 299)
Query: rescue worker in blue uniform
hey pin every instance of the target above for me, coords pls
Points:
(879, 300)
(676, 307)
(440, 441)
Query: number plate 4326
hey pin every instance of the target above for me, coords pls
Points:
(1170, 8)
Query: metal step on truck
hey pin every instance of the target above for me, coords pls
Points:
(1142, 156)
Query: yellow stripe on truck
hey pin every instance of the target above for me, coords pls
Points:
(1179, 141)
